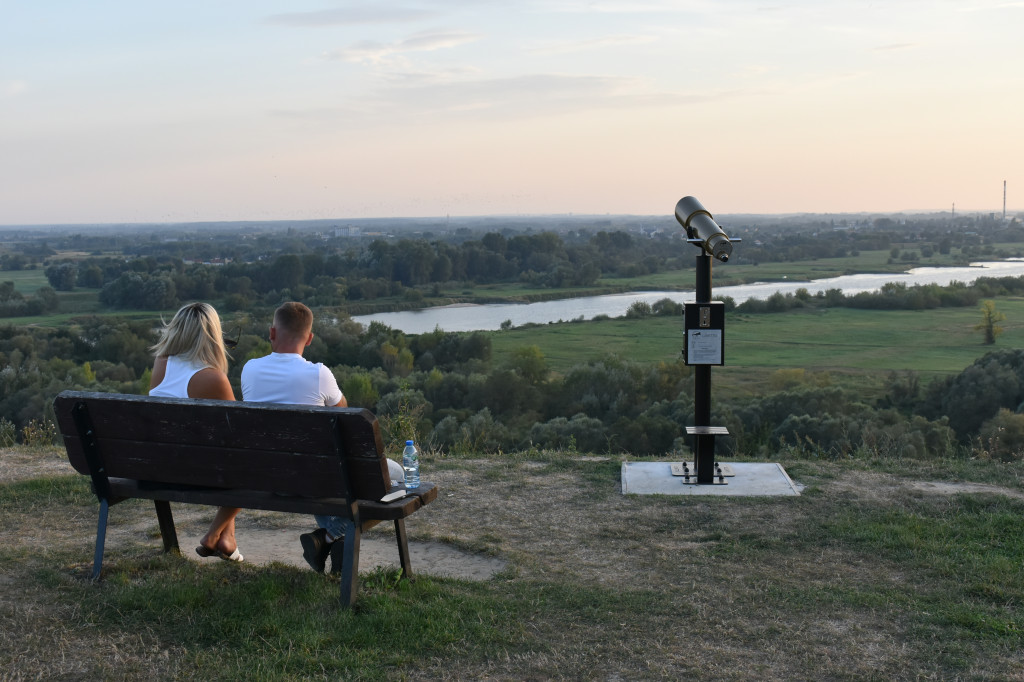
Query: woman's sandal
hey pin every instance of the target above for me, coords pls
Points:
(207, 552)
(234, 556)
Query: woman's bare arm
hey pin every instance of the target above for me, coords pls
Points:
(159, 370)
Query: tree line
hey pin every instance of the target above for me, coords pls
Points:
(332, 272)
(448, 390)
(383, 268)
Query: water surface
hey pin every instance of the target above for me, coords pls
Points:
(470, 317)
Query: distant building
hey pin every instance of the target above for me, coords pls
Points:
(212, 261)
(347, 231)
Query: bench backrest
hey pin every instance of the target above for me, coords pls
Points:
(289, 449)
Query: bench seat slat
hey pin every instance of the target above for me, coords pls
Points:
(374, 512)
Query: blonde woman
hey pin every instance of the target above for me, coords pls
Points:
(191, 363)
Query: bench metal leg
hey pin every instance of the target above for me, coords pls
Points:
(403, 549)
(350, 565)
(167, 532)
(101, 534)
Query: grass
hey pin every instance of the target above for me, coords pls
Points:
(862, 345)
(72, 303)
(861, 577)
(26, 282)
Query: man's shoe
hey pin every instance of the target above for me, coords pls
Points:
(315, 549)
(337, 555)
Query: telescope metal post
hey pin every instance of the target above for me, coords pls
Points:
(704, 445)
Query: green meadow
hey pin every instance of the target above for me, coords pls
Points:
(25, 281)
(861, 345)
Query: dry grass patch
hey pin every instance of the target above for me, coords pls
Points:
(20, 463)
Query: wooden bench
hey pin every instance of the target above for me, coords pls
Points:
(288, 458)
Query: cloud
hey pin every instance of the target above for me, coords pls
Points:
(994, 6)
(349, 16)
(630, 6)
(405, 78)
(14, 88)
(378, 53)
(894, 47)
(511, 98)
(592, 44)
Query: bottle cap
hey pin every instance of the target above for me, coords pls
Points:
(408, 442)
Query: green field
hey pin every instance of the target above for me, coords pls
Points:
(864, 345)
(25, 281)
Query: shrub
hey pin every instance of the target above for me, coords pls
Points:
(638, 309)
(39, 433)
(1002, 437)
(8, 433)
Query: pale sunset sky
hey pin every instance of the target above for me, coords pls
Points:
(115, 111)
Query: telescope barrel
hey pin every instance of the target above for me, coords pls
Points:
(700, 225)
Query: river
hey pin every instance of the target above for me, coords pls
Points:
(470, 317)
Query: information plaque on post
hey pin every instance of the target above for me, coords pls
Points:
(704, 324)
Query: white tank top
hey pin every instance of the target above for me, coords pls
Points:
(175, 383)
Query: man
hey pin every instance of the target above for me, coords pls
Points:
(286, 377)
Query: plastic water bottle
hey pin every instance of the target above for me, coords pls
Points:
(411, 464)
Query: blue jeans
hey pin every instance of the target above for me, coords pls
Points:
(334, 525)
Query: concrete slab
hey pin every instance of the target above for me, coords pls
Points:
(749, 479)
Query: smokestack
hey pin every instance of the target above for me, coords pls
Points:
(1004, 200)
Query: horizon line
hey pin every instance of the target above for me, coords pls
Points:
(504, 216)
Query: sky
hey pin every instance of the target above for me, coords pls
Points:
(127, 112)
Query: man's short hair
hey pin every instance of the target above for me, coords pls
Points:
(294, 318)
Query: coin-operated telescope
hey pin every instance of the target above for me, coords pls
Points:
(705, 335)
(702, 230)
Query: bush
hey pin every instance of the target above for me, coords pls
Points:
(638, 309)
(1002, 437)
(39, 433)
(478, 434)
(401, 416)
(581, 432)
(8, 433)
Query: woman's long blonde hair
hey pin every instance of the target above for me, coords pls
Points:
(194, 333)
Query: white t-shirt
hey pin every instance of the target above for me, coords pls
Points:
(290, 379)
(176, 377)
